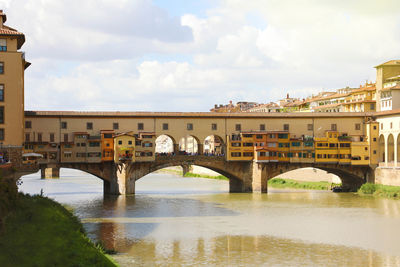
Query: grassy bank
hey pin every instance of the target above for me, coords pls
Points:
(378, 190)
(289, 183)
(190, 174)
(41, 232)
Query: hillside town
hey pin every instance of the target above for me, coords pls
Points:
(364, 98)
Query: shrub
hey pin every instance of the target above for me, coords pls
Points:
(368, 188)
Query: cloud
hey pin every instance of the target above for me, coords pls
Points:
(132, 55)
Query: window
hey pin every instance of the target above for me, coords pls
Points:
(1, 67)
(333, 127)
(214, 126)
(120, 142)
(63, 125)
(286, 127)
(374, 152)
(140, 126)
(94, 144)
(259, 136)
(28, 124)
(1, 134)
(358, 126)
(366, 148)
(310, 127)
(65, 138)
(1, 114)
(130, 142)
(238, 127)
(374, 139)
(39, 137)
(147, 145)
(382, 126)
(236, 154)
(89, 125)
(1, 92)
(374, 127)
(372, 107)
(262, 127)
(283, 136)
(247, 154)
(138, 143)
(27, 137)
(236, 144)
(52, 137)
(115, 125)
(3, 45)
(391, 125)
(165, 126)
(189, 126)
(247, 144)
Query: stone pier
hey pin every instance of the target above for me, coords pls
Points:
(50, 172)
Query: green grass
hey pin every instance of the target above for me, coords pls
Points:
(219, 177)
(41, 232)
(379, 190)
(190, 174)
(289, 183)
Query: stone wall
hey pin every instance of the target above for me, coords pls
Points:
(387, 176)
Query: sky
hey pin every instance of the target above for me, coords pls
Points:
(177, 55)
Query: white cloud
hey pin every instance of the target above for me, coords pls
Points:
(132, 55)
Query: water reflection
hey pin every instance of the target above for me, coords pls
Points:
(180, 221)
(230, 250)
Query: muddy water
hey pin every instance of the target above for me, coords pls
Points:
(174, 221)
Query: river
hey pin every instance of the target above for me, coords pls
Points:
(174, 221)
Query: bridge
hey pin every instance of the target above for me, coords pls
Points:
(244, 176)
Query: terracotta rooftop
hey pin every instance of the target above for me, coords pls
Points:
(83, 114)
(8, 31)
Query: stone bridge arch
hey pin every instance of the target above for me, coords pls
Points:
(352, 177)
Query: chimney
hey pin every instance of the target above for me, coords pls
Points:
(3, 18)
(287, 95)
(215, 106)
(230, 102)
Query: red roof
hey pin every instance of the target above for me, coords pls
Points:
(8, 31)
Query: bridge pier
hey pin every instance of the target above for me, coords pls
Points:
(260, 178)
(185, 169)
(50, 172)
(200, 148)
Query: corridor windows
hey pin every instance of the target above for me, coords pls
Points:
(1, 67)
(64, 125)
(1, 92)
(333, 127)
(165, 126)
(1, 134)
(189, 126)
(358, 126)
(28, 124)
(262, 127)
(115, 126)
(66, 138)
(213, 126)
(89, 126)
(236, 154)
(52, 137)
(310, 127)
(27, 137)
(140, 126)
(39, 137)
(1, 114)
(238, 127)
(286, 127)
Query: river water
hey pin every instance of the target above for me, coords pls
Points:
(174, 221)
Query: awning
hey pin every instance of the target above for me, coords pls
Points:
(37, 155)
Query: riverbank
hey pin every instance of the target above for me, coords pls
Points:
(41, 232)
(191, 174)
(290, 183)
(379, 190)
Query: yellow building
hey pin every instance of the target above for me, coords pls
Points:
(145, 146)
(326, 148)
(361, 100)
(107, 145)
(124, 148)
(12, 67)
